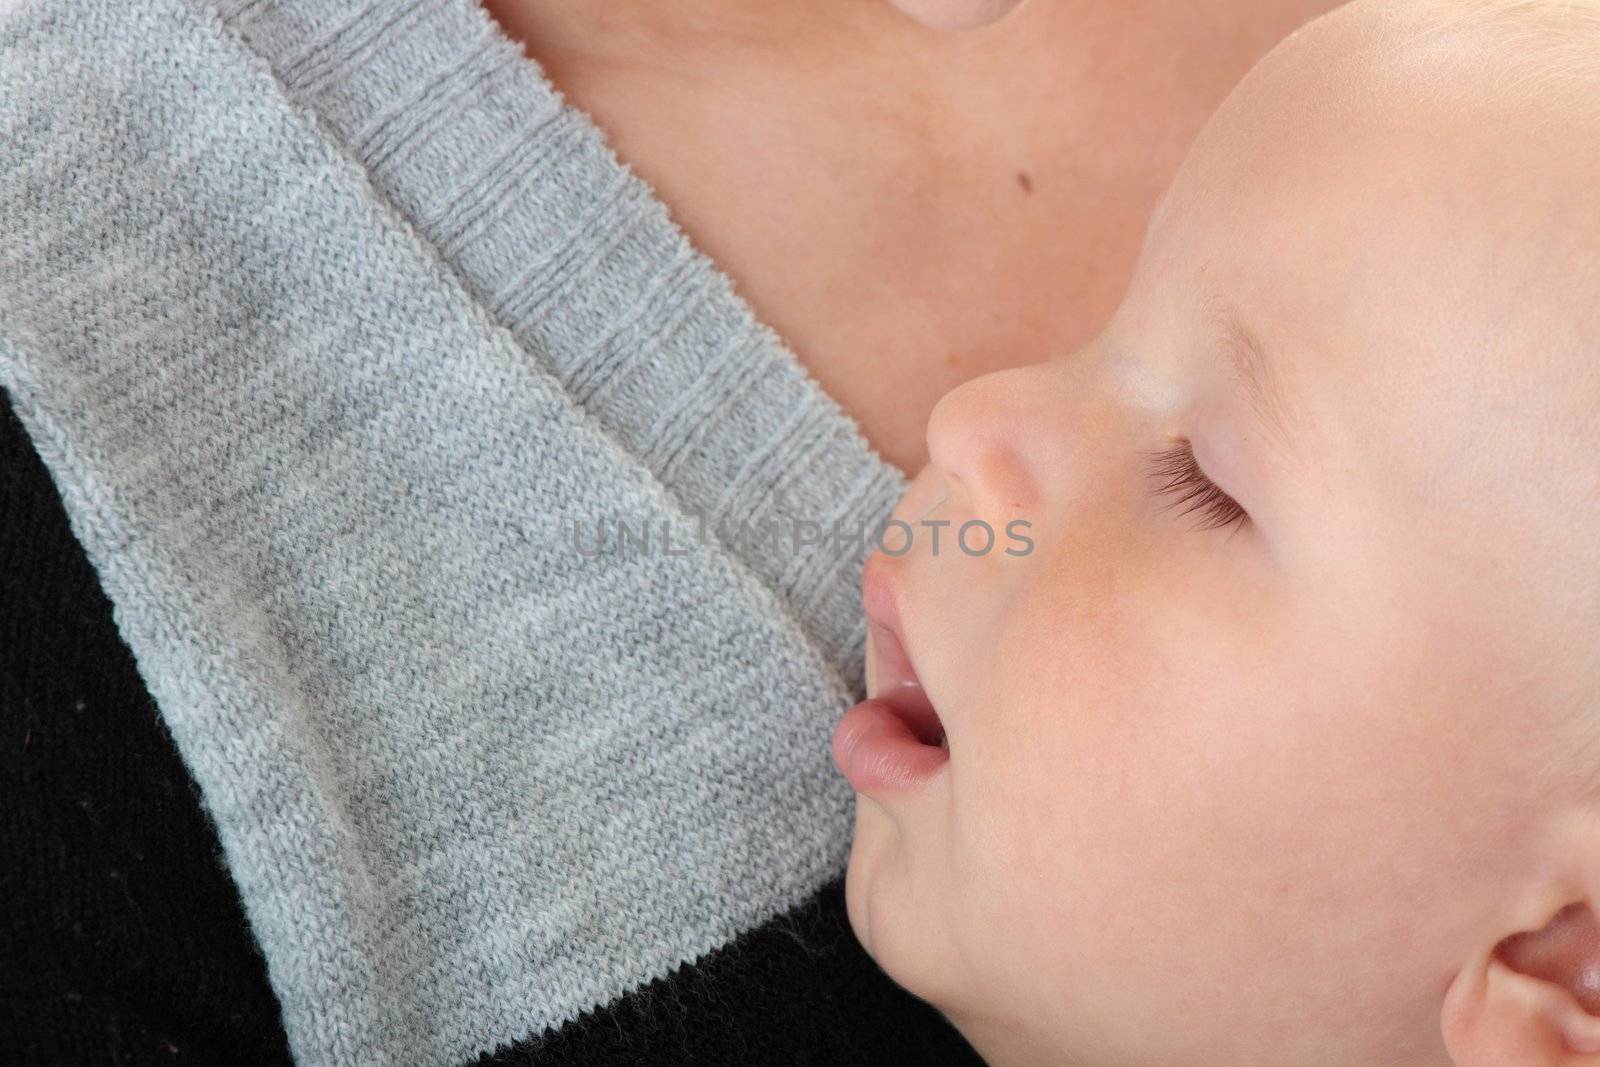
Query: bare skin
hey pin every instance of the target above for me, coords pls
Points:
(1307, 773)
(908, 207)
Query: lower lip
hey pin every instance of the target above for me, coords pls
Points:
(877, 746)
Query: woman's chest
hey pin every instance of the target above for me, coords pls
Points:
(904, 224)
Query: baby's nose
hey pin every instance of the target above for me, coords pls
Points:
(996, 437)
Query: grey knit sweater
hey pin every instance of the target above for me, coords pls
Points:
(344, 340)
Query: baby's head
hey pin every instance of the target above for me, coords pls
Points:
(1282, 743)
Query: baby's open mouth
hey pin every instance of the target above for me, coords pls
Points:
(898, 686)
(894, 738)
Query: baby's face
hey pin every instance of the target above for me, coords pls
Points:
(1247, 752)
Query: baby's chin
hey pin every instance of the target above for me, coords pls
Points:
(893, 916)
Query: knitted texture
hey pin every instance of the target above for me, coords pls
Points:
(331, 323)
(122, 940)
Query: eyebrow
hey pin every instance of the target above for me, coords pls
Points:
(1252, 370)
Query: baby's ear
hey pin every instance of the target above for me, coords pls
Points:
(1531, 997)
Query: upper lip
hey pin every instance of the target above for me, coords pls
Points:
(880, 599)
(896, 678)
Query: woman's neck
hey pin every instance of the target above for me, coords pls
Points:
(907, 207)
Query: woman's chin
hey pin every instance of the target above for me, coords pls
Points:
(957, 14)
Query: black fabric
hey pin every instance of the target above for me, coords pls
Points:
(800, 990)
(123, 939)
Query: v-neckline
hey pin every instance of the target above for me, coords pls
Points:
(523, 196)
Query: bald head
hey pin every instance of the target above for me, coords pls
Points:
(1402, 201)
(1419, 181)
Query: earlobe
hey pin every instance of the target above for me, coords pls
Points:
(1531, 999)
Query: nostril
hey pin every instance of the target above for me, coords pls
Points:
(985, 437)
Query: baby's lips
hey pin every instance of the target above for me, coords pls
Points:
(880, 743)
(871, 653)
(892, 668)
(889, 666)
(894, 739)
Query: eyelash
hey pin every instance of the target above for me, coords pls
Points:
(1181, 477)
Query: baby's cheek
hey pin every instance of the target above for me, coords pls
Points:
(1132, 818)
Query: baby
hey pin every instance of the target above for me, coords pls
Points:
(1281, 746)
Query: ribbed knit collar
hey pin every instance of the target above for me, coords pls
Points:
(526, 201)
